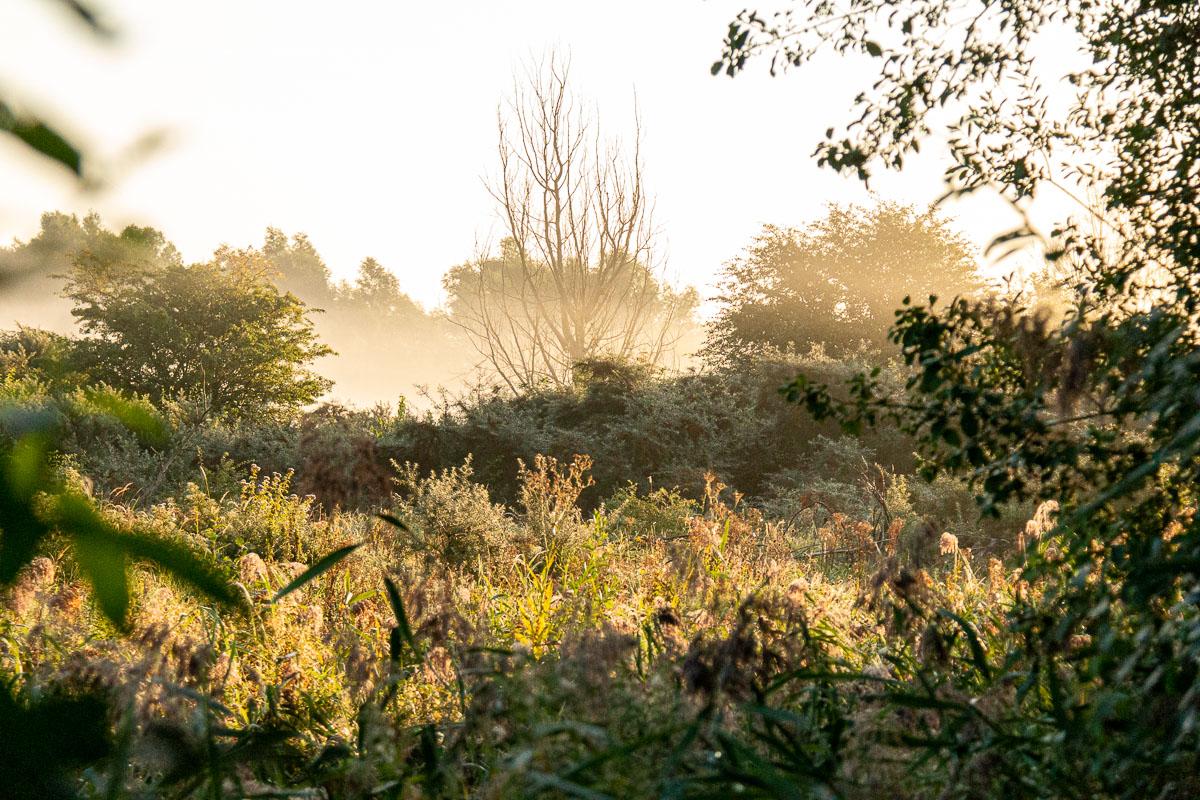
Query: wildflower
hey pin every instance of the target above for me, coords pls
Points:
(1042, 522)
(948, 544)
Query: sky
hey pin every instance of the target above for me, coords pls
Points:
(371, 126)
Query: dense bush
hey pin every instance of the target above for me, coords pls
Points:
(449, 519)
(636, 425)
(669, 431)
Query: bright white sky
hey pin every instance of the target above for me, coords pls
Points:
(370, 125)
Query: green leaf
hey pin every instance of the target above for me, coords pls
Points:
(42, 138)
(395, 521)
(322, 566)
(403, 631)
(22, 475)
(25, 471)
(102, 561)
(978, 654)
(98, 550)
(86, 14)
(102, 552)
(363, 595)
(912, 700)
(873, 48)
(20, 534)
(969, 423)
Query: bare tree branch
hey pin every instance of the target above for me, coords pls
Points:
(576, 277)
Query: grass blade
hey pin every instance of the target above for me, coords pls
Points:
(328, 562)
(402, 627)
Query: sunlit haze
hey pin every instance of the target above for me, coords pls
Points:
(371, 126)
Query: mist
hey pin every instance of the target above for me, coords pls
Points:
(388, 349)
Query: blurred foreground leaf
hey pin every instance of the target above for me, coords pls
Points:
(41, 740)
(41, 137)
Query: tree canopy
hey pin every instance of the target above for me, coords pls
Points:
(836, 281)
(298, 268)
(217, 330)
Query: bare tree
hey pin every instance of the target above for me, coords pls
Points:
(576, 277)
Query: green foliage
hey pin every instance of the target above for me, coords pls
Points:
(32, 354)
(34, 503)
(266, 518)
(297, 268)
(661, 513)
(365, 317)
(668, 431)
(319, 568)
(470, 651)
(217, 331)
(41, 138)
(1093, 414)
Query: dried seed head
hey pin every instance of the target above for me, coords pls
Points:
(252, 569)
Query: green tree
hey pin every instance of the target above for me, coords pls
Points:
(298, 268)
(218, 330)
(836, 281)
(376, 290)
(44, 260)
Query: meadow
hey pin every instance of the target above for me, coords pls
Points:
(655, 644)
(879, 525)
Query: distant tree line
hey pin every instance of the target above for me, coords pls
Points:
(253, 328)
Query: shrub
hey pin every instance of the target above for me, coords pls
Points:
(265, 518)
(550, 497)
(654, 431)
(660, 514)
(340, 461)
(450, 519)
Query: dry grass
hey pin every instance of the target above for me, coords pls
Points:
(549, 639)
